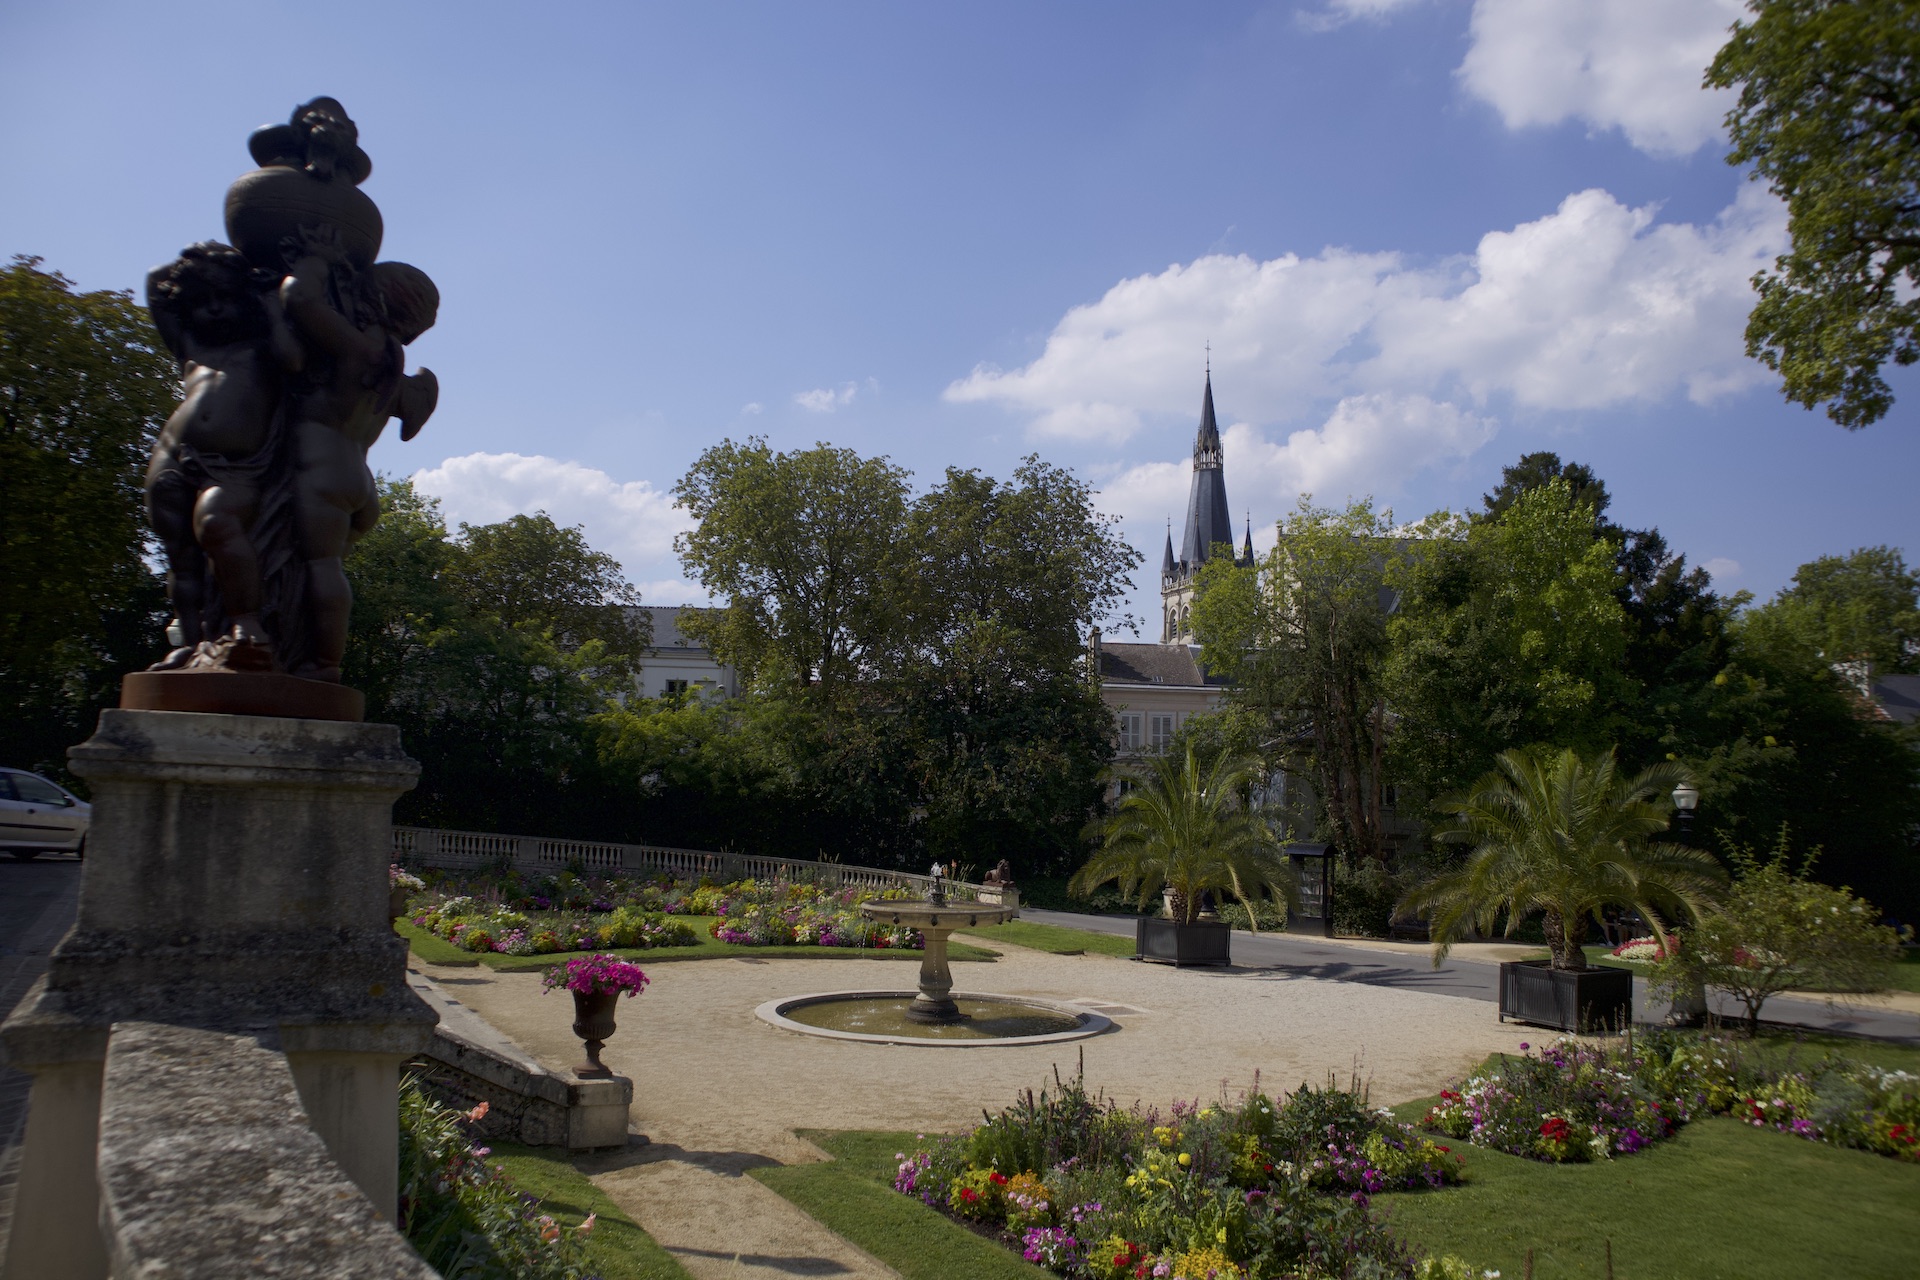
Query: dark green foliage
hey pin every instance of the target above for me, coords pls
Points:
(1829, 91)
(462, 1214)
(1041, 1131)
(84, 386)
(913, 688)
(493, 650)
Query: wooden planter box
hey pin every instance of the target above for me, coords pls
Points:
(1170, 942)
(1590, 1000)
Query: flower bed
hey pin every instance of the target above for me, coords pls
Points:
(773, 913)
(523, 915)
(1576, 1102)
(1255, 1188)
(462, 1213)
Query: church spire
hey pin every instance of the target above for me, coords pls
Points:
(1246, 555)
(1166, 561)
(1208, 520)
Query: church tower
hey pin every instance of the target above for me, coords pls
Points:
(1207, 527)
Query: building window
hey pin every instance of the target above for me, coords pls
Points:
(673, 687)
(1162, 727)
(1130, 737)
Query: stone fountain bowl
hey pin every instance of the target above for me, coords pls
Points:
(920, 913)
(787, 1013)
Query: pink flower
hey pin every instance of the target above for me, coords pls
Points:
(478, 1113)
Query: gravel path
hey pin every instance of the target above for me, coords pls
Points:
(719, 1091)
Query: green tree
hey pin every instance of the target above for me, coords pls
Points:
(1303, 637)
(85, 385)
(527, 573)
(1788, 739)
(1562, 836)
(1508, 630)
(1829, 99)
(798, 545)
(496, 685)
(931, 647)
(1779, 931)
(1863, 607)
(1188, 828)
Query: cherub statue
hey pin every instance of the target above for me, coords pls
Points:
(354, 325)
(227, 329)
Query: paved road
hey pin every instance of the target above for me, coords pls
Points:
(37, 902)
(1346, 962)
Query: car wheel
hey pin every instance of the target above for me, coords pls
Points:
(23, 855)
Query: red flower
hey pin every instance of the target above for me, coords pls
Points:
(968, 1195)
(1555, 1129)
(997, 1179)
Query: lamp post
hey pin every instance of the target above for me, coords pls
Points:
(1689, 1004)
(1686, 798)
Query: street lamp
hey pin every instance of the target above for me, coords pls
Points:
(1686, 798)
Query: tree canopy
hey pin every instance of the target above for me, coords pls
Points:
(85, 385)
(1828, 115)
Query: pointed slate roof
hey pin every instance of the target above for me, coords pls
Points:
(1207, 519)
(1166, 561)
(1246, 555)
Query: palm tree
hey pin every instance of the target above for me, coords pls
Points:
(1188, 828)
(1563, 837)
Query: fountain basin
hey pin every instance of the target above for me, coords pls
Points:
(987, 1020)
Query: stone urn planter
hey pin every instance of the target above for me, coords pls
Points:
(596, 983)
(1586, 1000)
(397, 901)
(593, 1023)
(1171, 942)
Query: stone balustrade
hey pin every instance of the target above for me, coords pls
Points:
(208, 1168)
(457, 850)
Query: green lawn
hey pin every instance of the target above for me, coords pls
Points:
(1722, 1199)
(617, 1249)
(435, 950)
(1054, 938)
(853, 1194)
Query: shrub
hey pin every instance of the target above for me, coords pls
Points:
(1779, 931)
(462, 1214)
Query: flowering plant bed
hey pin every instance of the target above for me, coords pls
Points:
(517, 915)
(596, 975)
(1243, 1189)
(462, 1214)
(1578, 1102)
(775, 913)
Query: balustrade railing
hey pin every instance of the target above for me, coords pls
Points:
(470, 850)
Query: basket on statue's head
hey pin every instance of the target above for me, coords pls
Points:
(309, 175)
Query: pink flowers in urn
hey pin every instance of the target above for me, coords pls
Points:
(597, 975)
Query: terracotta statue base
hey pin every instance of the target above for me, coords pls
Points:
(241, 693)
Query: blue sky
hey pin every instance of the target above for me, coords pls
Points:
(1422, 236)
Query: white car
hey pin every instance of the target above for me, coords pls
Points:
(37, 816)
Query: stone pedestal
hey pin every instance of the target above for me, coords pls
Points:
(235, 880)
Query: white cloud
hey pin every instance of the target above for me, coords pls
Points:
(827, 399)
(1340, 12)
(1275, 326)
(752, 406)
(631, 520)
(1594, 304)
(1635, 65)
(1721, 567)
(1369, 444)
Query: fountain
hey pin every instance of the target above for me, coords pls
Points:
(935, 1014)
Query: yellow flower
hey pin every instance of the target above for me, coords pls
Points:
(1185, 1159)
